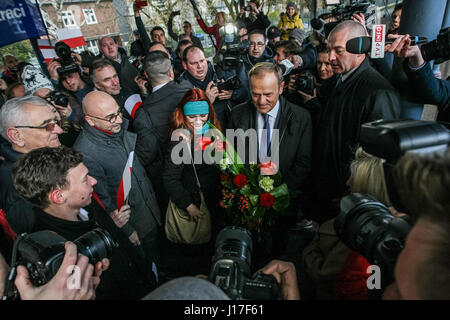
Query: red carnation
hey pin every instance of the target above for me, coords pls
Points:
(240, 180)
(268, 168)
(267, 200)
(224, 177)
(202, 143)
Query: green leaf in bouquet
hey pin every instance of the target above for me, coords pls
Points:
(254, 199)
(281, 203)
(280, 191)
(246, 190)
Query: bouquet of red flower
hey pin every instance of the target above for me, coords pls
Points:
(252, 195)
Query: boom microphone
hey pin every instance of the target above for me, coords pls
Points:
(364, 44)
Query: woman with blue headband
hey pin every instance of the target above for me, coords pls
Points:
(194, 115)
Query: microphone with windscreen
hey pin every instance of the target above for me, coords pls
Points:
(364, 44)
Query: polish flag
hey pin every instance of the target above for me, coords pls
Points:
(125, 183)
(133, 103)
(71, 36)
(47, 48)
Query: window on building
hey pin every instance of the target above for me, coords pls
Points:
(92, 46)
(78, 49)
(89, 15)
(68, 19)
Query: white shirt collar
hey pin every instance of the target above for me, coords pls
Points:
(159, 87)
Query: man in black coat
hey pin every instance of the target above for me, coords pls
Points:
(64, 205)
(187, 28)
(292, 152)
(201, 74)
(152, 119)
(26, 124)
(361, 95)
(109, 49)
(106, 79)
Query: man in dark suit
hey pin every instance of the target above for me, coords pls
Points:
(152, 119)
(267, 112)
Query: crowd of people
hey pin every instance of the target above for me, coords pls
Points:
(62, 166)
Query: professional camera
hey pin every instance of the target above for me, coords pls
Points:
(438, 49)
(368, 227)
(232, 264)
(65, 59)
(341, 13)
(58, 98)
(228, 57)
(304, 81)
(232, 83)
(42, 253)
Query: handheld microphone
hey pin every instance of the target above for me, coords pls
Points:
(364, 44)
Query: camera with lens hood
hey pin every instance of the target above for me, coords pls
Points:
(58, 98)
(42, 254)
(231, 268)
(438, 49)
(65, 59)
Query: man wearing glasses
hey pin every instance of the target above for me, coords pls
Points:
(258, 51)
(106, 146)
(26, 123)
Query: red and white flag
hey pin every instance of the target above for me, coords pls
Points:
(133, 103)
(47, 48)
(71, 36)
(125, 183)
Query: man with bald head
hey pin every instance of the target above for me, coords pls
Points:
(106, 146)
(361, 95)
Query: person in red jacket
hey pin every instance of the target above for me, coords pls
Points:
(214, 30)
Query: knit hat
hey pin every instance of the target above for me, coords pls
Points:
(291, 4)
(298, 34)
(187, 288)
(33, 79)
(273, 32)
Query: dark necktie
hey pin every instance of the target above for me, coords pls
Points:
(267, 127)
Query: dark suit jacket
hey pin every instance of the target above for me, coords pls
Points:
(151, 124)
(430, 89)
(294, 136)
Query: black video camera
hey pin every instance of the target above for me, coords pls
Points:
(65, 59)
(229, 55)
(231, 268)
(368, 227)
(42, 253)
(58, 98)
(304, 81)
(438, 49)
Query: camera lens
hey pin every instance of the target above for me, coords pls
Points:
(235, 243)
(96, 245)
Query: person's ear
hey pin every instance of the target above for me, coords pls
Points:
(184, 65)
(171, 74)
(89, 121)
(15, 136)
(56, 197)
(281, 88)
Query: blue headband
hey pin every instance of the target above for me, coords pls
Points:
(196, 107)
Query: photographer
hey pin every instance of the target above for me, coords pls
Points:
(187, 28)
(56, 288)
(72, 83)
(424, 85)
(64, 205)
(201, 74)
(252, 18)
(324, 81)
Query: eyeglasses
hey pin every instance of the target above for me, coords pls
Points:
(259, 44)
(49, 127)
(110, 119)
